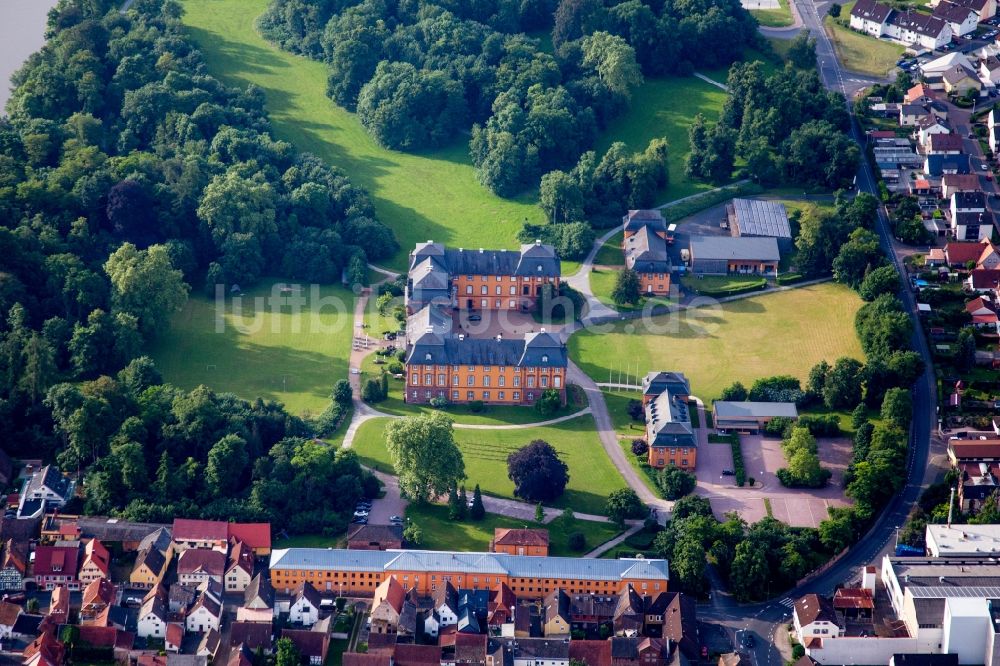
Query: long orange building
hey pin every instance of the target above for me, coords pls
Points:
(359, 572)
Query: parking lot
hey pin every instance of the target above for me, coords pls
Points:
(762, 456)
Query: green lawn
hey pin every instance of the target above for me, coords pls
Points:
(667, 107)
(491, 414)
(859, 52)
(610, 253)
(270, 353)
(714, 284)
(592, 476)
(602, 283)
(312, 541)
(774, 18)
(781, 333)
(434, 194)
(617, 402)
(439, 533)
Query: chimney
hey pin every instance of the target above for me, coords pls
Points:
(430, 329)
(461, 336)
(538, 242)
(499, 337)
(542, 329)
(480, 250)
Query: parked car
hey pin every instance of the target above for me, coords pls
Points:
(728, 472)
(475, 317)
(361, 513)
(395, 519)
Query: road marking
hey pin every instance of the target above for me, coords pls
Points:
(787, 602)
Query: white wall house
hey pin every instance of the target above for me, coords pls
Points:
(304, 611)
(152, 620)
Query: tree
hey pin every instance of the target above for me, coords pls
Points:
(834, 10)
(623, 504)
(749, 574)
(539, 475)
(802, 51)
(548, 402)
(576, 18)
(859, 416)
(561, 197)
(675, 483)
(227, 460)
(146, 285)
(463, 504)
(817, 154)
(477, 511)
(735, 392)
(859, 254)
(688, 564)
(342, 394)
(639, 447)
(614, 60)
(626, 289)
(413, 535)
(371, 392)
(454, 504)
(424, 455)
(843, 384)
(965, 356)
(881, 280)
(897, 407)
(635, 410)
(817, 378)
(286, 654)
(539, 513)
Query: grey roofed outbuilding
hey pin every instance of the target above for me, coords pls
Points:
(754, 217)
(518, 566)
(645, 252)
(737, 249)
(754, 410)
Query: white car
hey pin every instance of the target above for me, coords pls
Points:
(984, 167)
(361, 513)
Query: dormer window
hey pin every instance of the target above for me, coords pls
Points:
(427, 356)
(539, 268)
(545, 359)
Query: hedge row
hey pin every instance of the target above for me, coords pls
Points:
(789, 278)
(708, 199)
(742, 288)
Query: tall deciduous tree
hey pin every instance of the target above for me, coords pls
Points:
(614, 61)
(537, 472)
(623, 504)
(146, 284)
(227, 461)
(626, 289)
(425, 455)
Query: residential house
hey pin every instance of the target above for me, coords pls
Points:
(961, 19)
(444, 607)
(636, 220)
(528, 652)
(241, 655)
(96, 562)
(870, 17)
(205, 614)
(978, 254)
(960, 80)
(484, 280)
(989, 70)
(502, 601)
(920, 93)
(304, 608)
(252, 635)
(13, 565)
(9, 613)
(931, 124)
(56, 565)
(746, 416)
(414, 655)
(944, 165)
(969, 219)
(200, 534)
(196, 565)
(520, 541)
(674, 616)
(983, 313)
(590, 652)
(983, 280)
(152, 617)
(159, 539)
(149, 568)
(944, 144)
(257, 536)
(959, 183)
(669, 433)
(387, 604)
(814, 616)
(966, 451)
(719, 255)
(58, 611)
(556, 614)
(47, 488)
(174, 637)
(239, 570)
(985, 9)
(977, 483)
(629, 618)
(97, 596)
(209, 646)
(312, 645)
(589, 612)
(46, 650)
(259, 594)
(461, 369)
(375, 537)
(912, 27)
(646, 254)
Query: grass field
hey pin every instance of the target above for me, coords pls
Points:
(783, 333)
(610, 253)
(439, 533)
(592, 476)
(714, 284)
(266, 352)
(431, 195)
(602, 283)
(774, 18)
(862, 53)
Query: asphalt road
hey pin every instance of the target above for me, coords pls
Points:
(763, 620)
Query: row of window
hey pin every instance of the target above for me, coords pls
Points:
(484, 290)
(498, 278)
(526, 584)
(673, 450)
(531, 369)
(660, 463)
(471, 395)
(442, 380)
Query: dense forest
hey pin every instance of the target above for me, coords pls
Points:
(421, 72)
(129, 176)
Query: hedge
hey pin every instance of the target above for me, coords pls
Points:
(789, 278)
(700, 202)
(743, 288)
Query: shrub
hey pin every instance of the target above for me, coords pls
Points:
(777, 426)
(372, 391)
(635, 411)
(789, 278)
(476, 406)
(820, 425)
(396, 368)
(675, 483)
(639, 447)
(577, 541)
(439, 402)
(549, 402)
(739, 467)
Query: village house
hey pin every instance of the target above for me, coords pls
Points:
(152, 617)
(239, 570)
(196, 565)
(361, 572)
(484, 279)
(56, 565)
(47, 488)
(205, 614)
(375, 537)
(908, 27)
(959, 183)
(984, 9)
(304, 608)
(984, 314)
(97, 596)
(174, 638)
(9, 613)
(920, 93)
(944, 144)
(520, 541)
(983, 280)
(910, 114)
(200, 534)
(312, 645)
(960, 80)
(209, 645)
(387, 606)
(253, 635)
(962, 20)
(970, 220)
(13, 566)
(461, 369)
(814, 616)
(58, 611)
(556, 620)
(930, 124)
(259, 595)
(96, 562)
(151, 561)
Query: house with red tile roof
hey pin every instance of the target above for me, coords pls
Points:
(312, 645)
(239, 570)
(59, 605)
(983, 313)
(46, 650)
(210, 534)
(13, 565)
(98, 595)
(365, 659)
(8, 616)
(960, 253)
(255, 535)
(175, 636)
(56, 565)
(197, 565)
(520, 541)
(591, 653)
(416, 655)
(387, 604)
(96, 562)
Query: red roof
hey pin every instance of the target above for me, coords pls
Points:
(98, 636)
(853, 598)
(975, 449)
(918, 91)
(883, 134)
(985, 278)
(962, 252)
(205, 560)
(9, 613)
(100, 591)
(592, 653)
(520, 537)
(56, 561)
(175, 633)
(417, 655)
(362, 659)
(255, 535)
(186, 529)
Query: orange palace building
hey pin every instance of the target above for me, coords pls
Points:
(645, 248)
(359, 572)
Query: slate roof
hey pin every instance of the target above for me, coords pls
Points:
(114, 530)
(871, 10)
(260, 589)
(952, 12)
(736, 409)
(159, 539)
(306, 591)
(920, 23)
(645, 252)
(747, 248)
(518, 566)
(936, 165)
(969, 200)
(957, 73)
(50, 477)
(812, 608)
(668, 421)
(655, 383)
(538, 349)
(945, 142)
(532, 260)
(637, 219)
